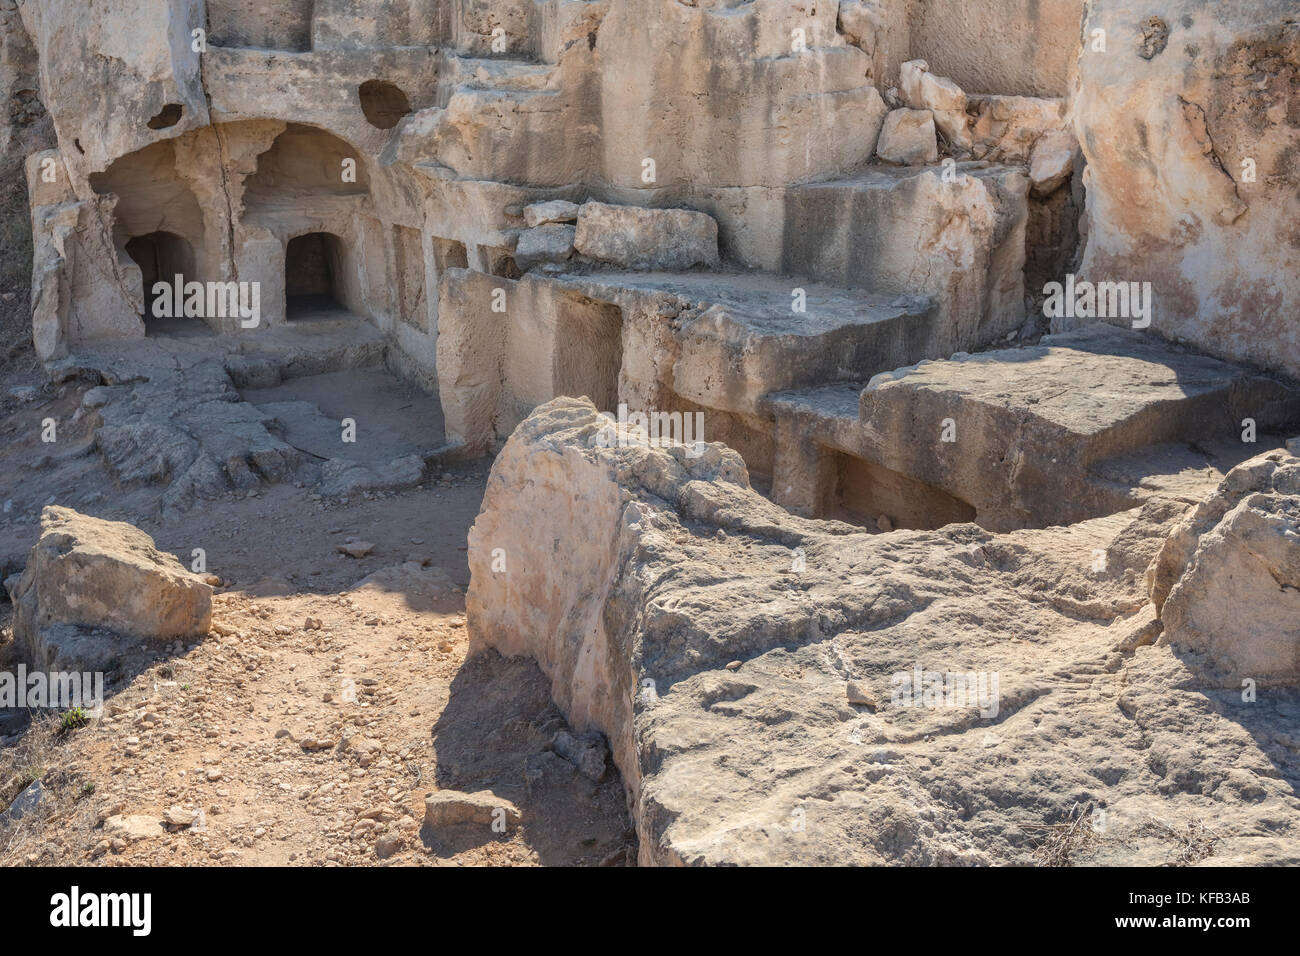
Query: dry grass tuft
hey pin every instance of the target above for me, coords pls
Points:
(64, 808)
(1193, 841)
(1060, 841)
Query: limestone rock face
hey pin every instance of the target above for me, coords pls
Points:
(1007, 128)
(1024, 443)
(88, 572)
(25, 130)
(720, 340)
(958, 239)
(771, 93)
(908, 138)
(634, 237)
(1025, 47)
(1228, 580)
(922, 90)
(995, 127)
(1052, 162)
(547, 243)
(286, 25)
(866, 25)
(1189, 126)
(470, 124)
(114, 73)
(470, 352)
(713, 637)
(179, 425)
(554, 211)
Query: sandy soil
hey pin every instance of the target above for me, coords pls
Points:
(307, 728)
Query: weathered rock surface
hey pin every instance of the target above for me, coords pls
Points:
(1228, 580)
(1025, 47)
(1006, 129)
(740, 660)
(340, 477)
(863, 24)
(131, 47)
(27, 801)
(922, 90)
(634, 237)
(170, 411)
(105, 574)
(554, 211)
(179, 816)
(1191, 180)
(956, 236)
(908, 138)
(635, 575)
(721, 99)
(649, 339)
(447, 808)
(544, 243)
(587, 752)
(133, 827)
(1023, 435)
(1052, 161)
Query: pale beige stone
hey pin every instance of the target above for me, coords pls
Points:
(922, 90)
(450, 808)
(93, 573)
(133, 827)
(1171, 143)
(552, 242)
(634, 237)
(908, 138)
(1052, 162)
(1225, 580)
(553, 211)
(673, 566)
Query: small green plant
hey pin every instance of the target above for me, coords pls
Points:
(72, 719)
(29, 775)
(87, 789)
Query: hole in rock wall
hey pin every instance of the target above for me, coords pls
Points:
(750, 437)
(383, 104)
(167, 117)
(450, 254)
(158, 221)
(313, 270)
(162, 256)
(152, 200)
(501, 262)
(304, 161)
(864, 491)
(589, 351)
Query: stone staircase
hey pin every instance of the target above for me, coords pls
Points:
(1083, 424)
(893, 265)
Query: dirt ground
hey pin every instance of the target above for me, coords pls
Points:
(309, 726)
